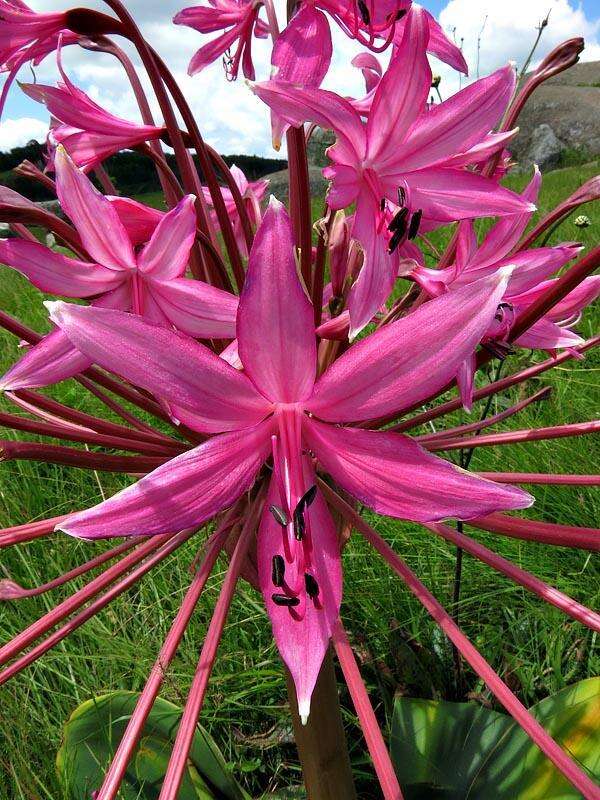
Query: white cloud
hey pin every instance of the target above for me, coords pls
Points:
(16, 132)
(509, 30)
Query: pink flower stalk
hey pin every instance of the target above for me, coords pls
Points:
(88, 132)
(252, 193)
(531, 268)
(275, 408)
(150, 282)
(239, 21)
(405, 151)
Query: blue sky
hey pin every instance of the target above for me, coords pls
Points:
(233, 120)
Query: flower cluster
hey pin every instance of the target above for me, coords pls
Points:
(293, 410)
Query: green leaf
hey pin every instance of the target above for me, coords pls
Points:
(94, 730)
(452, 751)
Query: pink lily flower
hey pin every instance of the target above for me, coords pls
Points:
(252, 193)
(149, 281)
(275, 408)
(89, 133)
(531, 268)
(239, 21)
(26, 35)
(406, 149)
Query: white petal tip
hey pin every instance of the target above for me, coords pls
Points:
(53, 307)
(304, 711)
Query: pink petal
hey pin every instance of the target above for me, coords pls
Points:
(166, 254)
(441, 46)
(138, 219)
(52, 360)
(345, 185)
(183, 493)
(302, 642)
(169, 364)
(97, 222)
(275, 327)
(327, 109)
(55, 273)
(211, 51)
(447, 195)
(505, 234)
(409, 359)
(402, 92)
(584, 294)
(533, 266)
(302, 53)
(451, 127)
(196, 308)
(465, 377)
(371, 69)
(378, 273)
(547, 335)
(393, 475)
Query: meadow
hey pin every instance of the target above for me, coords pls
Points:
(534, 647)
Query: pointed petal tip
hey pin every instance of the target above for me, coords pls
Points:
(304, 710)
(54, 309)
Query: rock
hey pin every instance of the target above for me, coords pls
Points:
(545, 149)
(279, 183)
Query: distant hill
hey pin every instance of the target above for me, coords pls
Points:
(569, 104)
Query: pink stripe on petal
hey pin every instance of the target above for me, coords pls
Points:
(406, 361)
(275, 325)
(393, 475)
(52, 360)
(97, 222)
(183, 492)
(169, 364)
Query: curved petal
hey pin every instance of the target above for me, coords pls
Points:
(533, 266)
(275, 326)
(169, 364)
(441, 47)
(401, 94)
(409, 359)
(447, 195)
(451, 127)
(584, 294)
(211, 51)
(393, 475)
(547, 335)
(505, 234)
(378, 272)
(166, 254)
(302, 640)
(55, 273)
(345, 185)
(196, 308)
(182, 493)
(138, 219)
(327, 109)
(51, 360)
(302, 53)
(97, 222)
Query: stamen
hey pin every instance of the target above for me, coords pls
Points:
(400, 14)
(364, 12)
(401, 196)
(382, 204)
(312, 587)
(278, 570)
(398, 223)
(396, 240)
(284, 600)
(279, 515)
(415, 224)
(305, 501)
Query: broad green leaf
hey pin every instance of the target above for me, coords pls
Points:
(453, 751)
(94, 730)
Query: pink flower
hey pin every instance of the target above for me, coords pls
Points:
(149, 282)
(25, 36)
(275, 407)
(239, 19)
(531, 268)
(87, 131)
(405, 150)
(252, 194)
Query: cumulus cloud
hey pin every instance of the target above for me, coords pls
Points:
(232, 119)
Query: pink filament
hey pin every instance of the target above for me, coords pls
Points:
(534, 530)
(551, 479)
(513, 437)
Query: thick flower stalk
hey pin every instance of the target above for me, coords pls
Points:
(277, 429)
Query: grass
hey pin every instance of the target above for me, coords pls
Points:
(534, 647)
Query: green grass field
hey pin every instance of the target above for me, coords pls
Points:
(535, 648)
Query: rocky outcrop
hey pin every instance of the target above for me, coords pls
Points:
(545, 149)
(279, 183)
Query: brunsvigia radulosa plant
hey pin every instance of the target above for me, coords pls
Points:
(281, 422)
